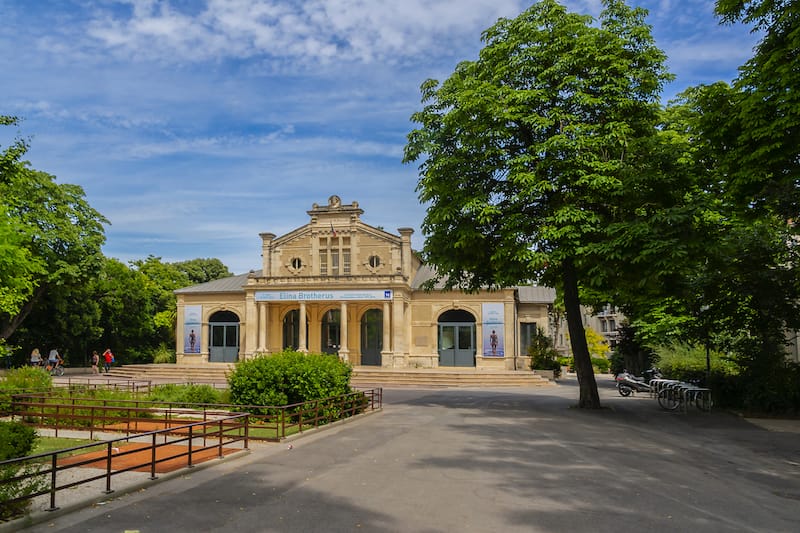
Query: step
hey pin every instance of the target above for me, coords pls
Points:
(467, 377)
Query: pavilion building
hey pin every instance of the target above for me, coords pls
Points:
(337, 285)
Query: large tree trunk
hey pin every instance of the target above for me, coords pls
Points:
(589, 397)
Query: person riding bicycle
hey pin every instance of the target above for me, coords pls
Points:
(54, 360)
(36, 358)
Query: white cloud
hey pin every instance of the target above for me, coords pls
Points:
(196, 125)
(312, 31)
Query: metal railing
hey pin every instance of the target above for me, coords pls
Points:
(192, 438)
(97, 383)
(271, 423)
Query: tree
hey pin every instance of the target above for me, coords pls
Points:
(597, 344)
(62, 234)
(19, 269)
(203, 270)
(162, 279)
(525, 152)
(543, 354)
(763, 119)
(10, 157)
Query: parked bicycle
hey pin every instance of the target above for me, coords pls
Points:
(680, 394)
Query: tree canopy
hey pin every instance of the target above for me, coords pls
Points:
(57, 289)
(525, 153)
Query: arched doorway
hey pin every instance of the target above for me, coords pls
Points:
(372, 337)
(330, 337)
(456, 338)
(224, 342)
(291, 330)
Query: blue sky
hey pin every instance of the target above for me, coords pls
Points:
(195, 125)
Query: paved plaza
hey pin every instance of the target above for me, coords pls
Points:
(502, 460)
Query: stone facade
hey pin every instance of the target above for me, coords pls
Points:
(359, 290)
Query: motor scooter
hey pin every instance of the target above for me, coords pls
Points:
(627, 383)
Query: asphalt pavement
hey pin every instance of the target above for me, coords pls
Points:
(501, 460)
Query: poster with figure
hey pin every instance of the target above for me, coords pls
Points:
(191, 328)
(493, 342)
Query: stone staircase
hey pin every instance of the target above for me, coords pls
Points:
(362, 376)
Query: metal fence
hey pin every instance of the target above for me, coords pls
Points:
(46, 472)
(194, 428)
(271, 423)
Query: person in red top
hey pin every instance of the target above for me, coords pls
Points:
(108, 358)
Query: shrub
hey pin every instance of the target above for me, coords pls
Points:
(688, 363)
(287, 378)
(617, 360)
(25, 379)
(543, 355)
(774, 390)
(602, 364)
(16, 440)
(164, 354)
(191, 394)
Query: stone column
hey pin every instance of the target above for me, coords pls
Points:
(263, 321)
(398, 333)
(344, 347)
(303, 342)
(387, 332)
(250, 325)
(206, 339)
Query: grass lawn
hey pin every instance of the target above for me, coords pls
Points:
(52, 444)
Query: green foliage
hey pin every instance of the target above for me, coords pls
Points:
(602, 364)
(737, 290)
(61, 230)
(24, 379)
(617, 363)
(542, 353)
(598, 347)
(130, 309)
(16, 440)
(203, 270)
(761, 136)
(164, 354)
(686, 362)
(630, 354)
(27, 379)
(526, 152)
(287, 378)
(189, 394)
(736, 386)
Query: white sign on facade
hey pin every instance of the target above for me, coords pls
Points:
(321, 295)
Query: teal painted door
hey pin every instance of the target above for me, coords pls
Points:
(457, 344)
(224, 342)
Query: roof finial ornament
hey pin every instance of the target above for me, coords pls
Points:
(334, 201)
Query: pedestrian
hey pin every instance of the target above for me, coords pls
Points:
(108, 358)
(36, 358)
(95, 362)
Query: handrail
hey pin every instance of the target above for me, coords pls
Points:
(225, 431)
(98, 414)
